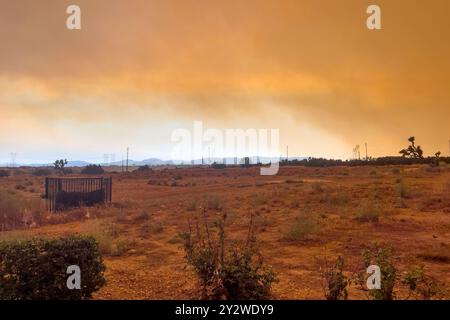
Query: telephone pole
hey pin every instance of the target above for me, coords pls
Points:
(367, 158)
(13, 159)
(128, 151)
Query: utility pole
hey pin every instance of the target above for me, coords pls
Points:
(287, 153)
(13, 159)
(209, 155)
(128, 151)
(367, 158)
(105, 159)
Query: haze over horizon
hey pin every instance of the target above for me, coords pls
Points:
(140, 69)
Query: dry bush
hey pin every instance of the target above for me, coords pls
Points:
(151, 227)
(142, 217)
(402, 189)
(17, 212)
(368, 212)
(192, 205)
(213, 202)
(295, 203)
(11, 211)
(446, 189)
(422, 286)
(302, 228)
(317, 187)
(440, 254)
(121, 216)
(259, 199)
(107, 236)
(262, 222)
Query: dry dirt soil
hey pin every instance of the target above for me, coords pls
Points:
(405, 207)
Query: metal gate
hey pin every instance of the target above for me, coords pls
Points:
(66, 193)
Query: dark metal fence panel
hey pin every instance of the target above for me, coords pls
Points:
(65, 193)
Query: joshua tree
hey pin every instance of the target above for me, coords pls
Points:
(412, 151)
(60, 164)
(437, 158)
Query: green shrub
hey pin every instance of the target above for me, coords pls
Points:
(421, 285)
(334, 282)
(234, 271)
(37, 269)
(383, 258)
(93, 169)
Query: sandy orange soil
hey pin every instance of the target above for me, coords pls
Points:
(151, 264)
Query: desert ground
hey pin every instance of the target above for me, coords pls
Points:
(348, 208)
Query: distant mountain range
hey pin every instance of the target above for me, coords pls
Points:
(159, 162)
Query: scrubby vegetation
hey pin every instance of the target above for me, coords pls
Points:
(17, 212)
(93, 169)
(227, 270)
(334, 282)
(421, 285)
(302, 228)
(41, 172)
(4, 173)
(37, 269)
(383, 257)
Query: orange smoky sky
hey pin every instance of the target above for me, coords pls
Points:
(139, 69)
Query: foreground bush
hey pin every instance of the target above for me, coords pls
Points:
(37, 269)
(383, 257)
(334, 282)
(421, 285)
(234, 271)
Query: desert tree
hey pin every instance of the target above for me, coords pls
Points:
(412, 151)
(60, 165)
